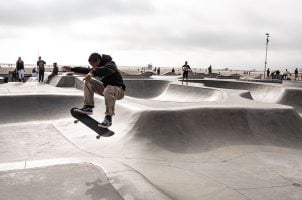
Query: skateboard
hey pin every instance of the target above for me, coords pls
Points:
(91, 123)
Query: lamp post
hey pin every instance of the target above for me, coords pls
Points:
(267, 41)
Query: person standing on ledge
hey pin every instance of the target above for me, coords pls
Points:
(267, 73)
(41, 69)
(210, 69)
(110, 85)
(296, 74)
(20, 69)
(185, 68)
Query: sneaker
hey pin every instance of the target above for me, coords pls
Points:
(107, 122)
(86, 109)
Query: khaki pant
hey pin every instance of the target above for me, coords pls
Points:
(110, 93)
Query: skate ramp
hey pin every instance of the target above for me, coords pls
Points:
(23, 108)
(161, 90)
(189, 133)
(292, 97)
(261, 92)
(200, 130)
(180, 93)
(195, 150)
(145, 88)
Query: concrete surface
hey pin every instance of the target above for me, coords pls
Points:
(210, 139)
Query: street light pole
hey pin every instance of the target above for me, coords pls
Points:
(267, 41)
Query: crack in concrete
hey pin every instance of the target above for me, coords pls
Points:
(180, 161)
(272, 170)
(121, 171)
(74, 145)
(269, 187)
(200, 174)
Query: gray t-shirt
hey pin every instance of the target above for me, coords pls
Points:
(41, 64)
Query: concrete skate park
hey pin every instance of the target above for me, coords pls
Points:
(205, 139)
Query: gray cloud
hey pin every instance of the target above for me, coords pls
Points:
(197, 26)
(62, 12)
(136, 35)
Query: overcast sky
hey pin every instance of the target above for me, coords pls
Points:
(224, 33)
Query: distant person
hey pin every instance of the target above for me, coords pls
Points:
(55, 71)
(20, 69)
(296, 74)
(41, 69)
(285, 74)
(267, 73)
(15, 74)
(278, 74)
(210, 69)
(158, 71)
(273, 75)
(185, 68)
(173, 70)
(111, 85)
(34, 72)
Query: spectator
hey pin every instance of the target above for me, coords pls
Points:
(158, 71)
(267, 73)
(285, 74)
(278, 74)
(15, 74)
(34, 72)
(41, 69)
(185, 68)
(210, 69)
(20, 69)
(296, 73)
(54, 72)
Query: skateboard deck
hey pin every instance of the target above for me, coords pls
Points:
(91, 123)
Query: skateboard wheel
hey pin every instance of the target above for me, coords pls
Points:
(98, 137)
(75, 121)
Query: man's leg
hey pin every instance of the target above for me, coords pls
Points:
(90, 87)
(49, 78)
(42, 78)
(22, 75)
(19, 74)
(111, 94)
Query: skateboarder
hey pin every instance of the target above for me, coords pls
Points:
(111, 85)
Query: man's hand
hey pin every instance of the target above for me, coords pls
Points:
(87, 77)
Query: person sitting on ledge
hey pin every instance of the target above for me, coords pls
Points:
(54, 72)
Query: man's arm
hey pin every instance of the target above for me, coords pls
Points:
(102, 72)
(80, 70)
